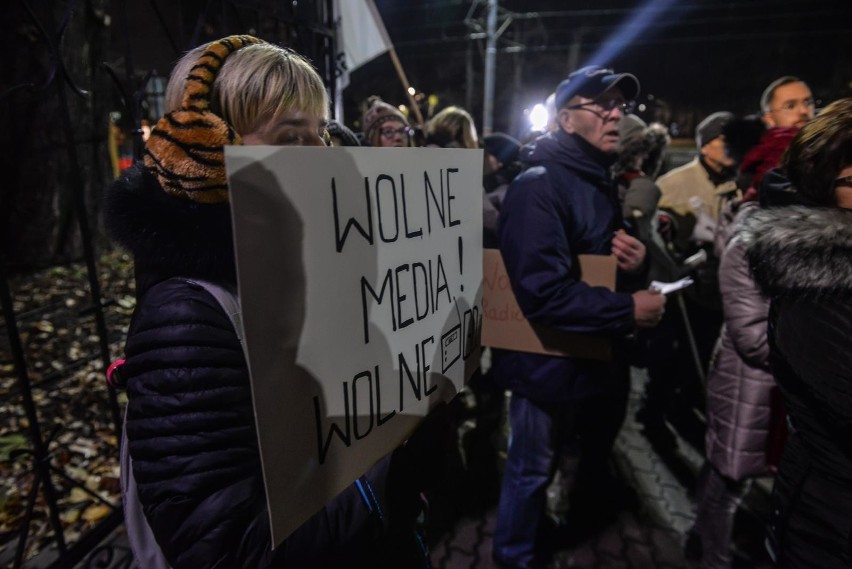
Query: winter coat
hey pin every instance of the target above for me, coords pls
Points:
(802, 259)
(564, 205)
(190, 421)
(691, 180)
(677, 188)
(739, 382)
(495, 185)
(726, 226)
(490, 215)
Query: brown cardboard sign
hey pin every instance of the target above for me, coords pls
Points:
(504, 325)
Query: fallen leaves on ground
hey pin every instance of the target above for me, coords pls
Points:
(57, 329)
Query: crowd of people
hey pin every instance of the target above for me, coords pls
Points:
(759, 220)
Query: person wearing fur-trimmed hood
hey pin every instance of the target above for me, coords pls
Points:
(801, 256)
(740, 387)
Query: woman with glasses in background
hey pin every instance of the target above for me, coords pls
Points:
(384, 125)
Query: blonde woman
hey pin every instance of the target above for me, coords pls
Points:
(190, 428)
(452, 127)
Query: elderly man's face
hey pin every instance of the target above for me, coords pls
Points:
(596, 120)
(791, 105)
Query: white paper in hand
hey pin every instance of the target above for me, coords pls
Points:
(667, 288)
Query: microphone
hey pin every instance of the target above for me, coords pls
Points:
(696, 260)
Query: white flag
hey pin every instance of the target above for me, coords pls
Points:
(361, 36)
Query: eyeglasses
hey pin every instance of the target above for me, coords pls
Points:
(608, 105)
(791, 106)
(845, 181)
(391, 132)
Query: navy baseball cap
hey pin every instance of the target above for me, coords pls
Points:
(592, 81)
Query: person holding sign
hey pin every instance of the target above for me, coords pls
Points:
(190, 426)
(565, 204)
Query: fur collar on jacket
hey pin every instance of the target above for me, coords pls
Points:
(167, 236)
(799, 249)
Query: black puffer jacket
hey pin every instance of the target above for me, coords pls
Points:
(802, 258)
(190, 421)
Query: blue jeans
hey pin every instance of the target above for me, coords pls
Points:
(718, 498)
(539, 431)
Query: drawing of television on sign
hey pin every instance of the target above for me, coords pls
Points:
(450, 347)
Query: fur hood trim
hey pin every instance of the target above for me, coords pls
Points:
(169, 237)
(799, 249)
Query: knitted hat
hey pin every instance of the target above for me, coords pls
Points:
(378, 112)
(711, 127)
(502, 146)
(338, 130)
(186, 149)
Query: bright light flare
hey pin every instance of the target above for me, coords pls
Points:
(411, 91)
(637, 24)
(538, 117)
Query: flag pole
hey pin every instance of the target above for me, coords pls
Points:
(396, 63)
(401, 72)
(490, 67)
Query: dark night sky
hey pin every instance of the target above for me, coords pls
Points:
(698, 56)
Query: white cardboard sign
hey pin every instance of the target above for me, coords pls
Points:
(360, 281)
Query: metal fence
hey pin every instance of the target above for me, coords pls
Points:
(46, 479)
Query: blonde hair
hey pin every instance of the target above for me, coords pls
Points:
(255, 84)
(454, 125)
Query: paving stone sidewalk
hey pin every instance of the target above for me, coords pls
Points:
(650, 535)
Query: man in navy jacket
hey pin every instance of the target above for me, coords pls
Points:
(564, 205)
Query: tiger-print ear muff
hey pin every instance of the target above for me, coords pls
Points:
(186, 148)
